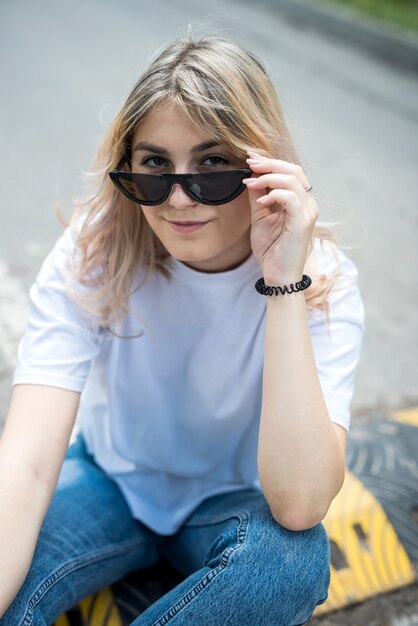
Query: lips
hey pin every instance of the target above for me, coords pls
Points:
(187, 227)
(188, 223)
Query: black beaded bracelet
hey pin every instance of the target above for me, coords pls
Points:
(269, 290)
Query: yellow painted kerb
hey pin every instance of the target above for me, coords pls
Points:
(407, 416)
(370, 558)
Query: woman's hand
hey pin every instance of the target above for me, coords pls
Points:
(283, 216)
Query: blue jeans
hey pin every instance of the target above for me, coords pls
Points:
(242, 568)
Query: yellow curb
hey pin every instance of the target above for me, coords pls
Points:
(407, 416)
(367, 557)
(97, 610)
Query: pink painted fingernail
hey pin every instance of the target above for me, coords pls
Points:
(249, 181)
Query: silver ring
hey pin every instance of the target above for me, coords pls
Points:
(307, 187)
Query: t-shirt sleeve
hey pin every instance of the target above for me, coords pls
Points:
(337, 344)
(60, 339)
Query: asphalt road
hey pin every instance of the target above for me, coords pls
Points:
(67, 68)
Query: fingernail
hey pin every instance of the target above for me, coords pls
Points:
(248, 181)
(253, 161)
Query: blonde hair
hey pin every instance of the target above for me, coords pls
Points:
(225, 89)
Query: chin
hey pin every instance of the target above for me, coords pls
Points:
(190, 256)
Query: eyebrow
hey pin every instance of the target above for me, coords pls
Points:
(143, 145)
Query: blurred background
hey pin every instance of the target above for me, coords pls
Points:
(346, 73)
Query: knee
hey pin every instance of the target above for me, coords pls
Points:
(302, 557)
(291, 566)
(301, 549)
(275, 575)
(308, 573)
(307, 561)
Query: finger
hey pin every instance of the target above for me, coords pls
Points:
(265, 164)
(285, 197)
(291, 203)
(255, 193)
(253, 156)
(256, 208)
(275, 181)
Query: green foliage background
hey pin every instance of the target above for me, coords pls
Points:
(403, 13)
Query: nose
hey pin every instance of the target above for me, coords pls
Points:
(179, 198)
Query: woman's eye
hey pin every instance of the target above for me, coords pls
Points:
(215, 160)
(154, 161)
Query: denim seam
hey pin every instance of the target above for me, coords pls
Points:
(212, 519)
(243, 517)
(72, 566)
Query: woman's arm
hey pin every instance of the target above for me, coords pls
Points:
(300, 455)
(32, 449)
(300, 459)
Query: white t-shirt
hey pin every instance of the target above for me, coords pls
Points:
(173, 415)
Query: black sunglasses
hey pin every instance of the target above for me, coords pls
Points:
(153, 189)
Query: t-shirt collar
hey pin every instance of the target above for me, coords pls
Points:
(239, 274)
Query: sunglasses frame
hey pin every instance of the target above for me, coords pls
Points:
(181, 179)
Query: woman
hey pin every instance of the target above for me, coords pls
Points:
(214, 329)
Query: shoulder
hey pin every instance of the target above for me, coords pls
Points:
(62, 255)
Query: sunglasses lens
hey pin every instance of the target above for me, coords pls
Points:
(216, 186)
(143, 187)
(209, 188)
